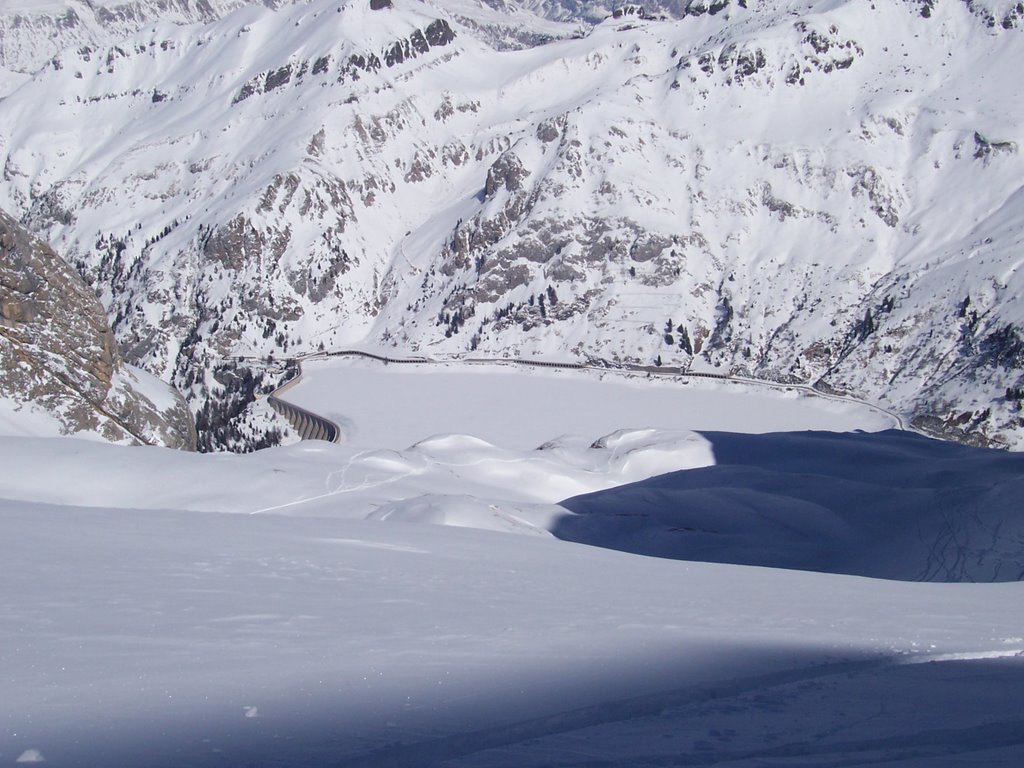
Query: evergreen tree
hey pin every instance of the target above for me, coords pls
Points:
(684, 341)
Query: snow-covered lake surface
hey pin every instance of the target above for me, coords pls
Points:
(396, 406)
(341, 605)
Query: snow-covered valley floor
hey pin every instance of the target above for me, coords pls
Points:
(516, 407)
(302, 607)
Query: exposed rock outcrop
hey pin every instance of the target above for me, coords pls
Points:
(58, 354)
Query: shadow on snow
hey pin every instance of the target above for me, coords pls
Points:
(887, 505)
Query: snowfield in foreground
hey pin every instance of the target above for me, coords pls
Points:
(175, 638)
(291, 608)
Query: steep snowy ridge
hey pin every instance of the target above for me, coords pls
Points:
(825, 194)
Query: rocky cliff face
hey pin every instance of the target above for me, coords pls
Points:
(59, 358)
(824, 192)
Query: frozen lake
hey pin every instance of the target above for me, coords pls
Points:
(395, 406)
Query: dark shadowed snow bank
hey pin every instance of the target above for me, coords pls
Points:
(888, 505)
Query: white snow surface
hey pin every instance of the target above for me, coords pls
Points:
(147, 385)
(146, 620)
(478, 445)
(398, 405)
(27, 420)
(163, 637)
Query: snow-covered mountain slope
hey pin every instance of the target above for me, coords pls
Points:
(824, 192)
(33, 31)
(595, 11)
(60, 369)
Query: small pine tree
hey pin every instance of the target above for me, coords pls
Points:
(684, 341)
(867, 325)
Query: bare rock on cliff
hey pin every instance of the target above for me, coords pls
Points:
(60, 368)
